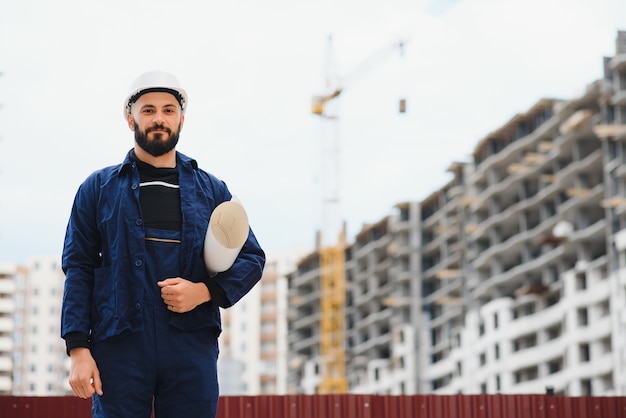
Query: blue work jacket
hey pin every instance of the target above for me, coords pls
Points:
(104, 250)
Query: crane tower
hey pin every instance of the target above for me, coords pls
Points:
(332, 234)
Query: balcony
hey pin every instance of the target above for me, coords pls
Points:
(6, 344)
(618, 63)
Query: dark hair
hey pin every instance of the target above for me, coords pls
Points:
(173, 92)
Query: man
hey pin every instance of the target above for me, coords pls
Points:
(140, 311)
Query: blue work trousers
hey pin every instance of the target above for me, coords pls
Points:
(160, 366)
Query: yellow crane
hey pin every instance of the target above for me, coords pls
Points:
(332, 235)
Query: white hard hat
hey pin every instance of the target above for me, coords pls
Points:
(155, 81)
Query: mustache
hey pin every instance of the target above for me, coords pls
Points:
(160, 127)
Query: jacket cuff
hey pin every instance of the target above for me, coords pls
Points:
(218, 296)
(75, 340)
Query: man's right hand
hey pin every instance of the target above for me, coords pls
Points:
(84, 373)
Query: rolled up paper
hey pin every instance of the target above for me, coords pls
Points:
(227, 232)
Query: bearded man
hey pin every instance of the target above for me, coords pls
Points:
(140, 313)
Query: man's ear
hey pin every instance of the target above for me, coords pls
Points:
(130, 121)
(182, 122)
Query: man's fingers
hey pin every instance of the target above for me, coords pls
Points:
(97, 383)
(83, 388)
(169, 282)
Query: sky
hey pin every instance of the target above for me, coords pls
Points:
(250, 69)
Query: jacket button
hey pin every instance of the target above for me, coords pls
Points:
(139, 221)
(138, 263)
(134, 186)
(137, 305)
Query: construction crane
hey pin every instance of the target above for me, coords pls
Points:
(335, 85)
(332, 236)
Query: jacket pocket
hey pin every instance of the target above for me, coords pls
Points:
(203, 316)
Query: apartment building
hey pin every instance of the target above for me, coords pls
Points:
(32, 353)
(238, 371)
(10, 275)
(516, 269)
(40, 362)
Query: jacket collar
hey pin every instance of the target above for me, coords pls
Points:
(181, 160)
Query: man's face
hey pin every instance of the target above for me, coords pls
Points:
(156, 120)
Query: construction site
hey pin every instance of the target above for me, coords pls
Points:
(501, 294)
(508, 279)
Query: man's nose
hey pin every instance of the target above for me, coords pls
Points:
(158, 117)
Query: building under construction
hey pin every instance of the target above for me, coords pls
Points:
(511, 278)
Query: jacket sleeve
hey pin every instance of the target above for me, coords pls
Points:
(81, 256)
(231, 285)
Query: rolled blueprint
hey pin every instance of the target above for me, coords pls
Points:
(227, 232)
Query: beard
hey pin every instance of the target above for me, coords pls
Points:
(158, 145)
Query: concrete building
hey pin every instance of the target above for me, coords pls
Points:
(442, 275)
(383, 305)
(511, 278)
(303, 316)
(534, 226)
(543, 295)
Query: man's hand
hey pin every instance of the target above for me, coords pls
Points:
(181, 295)
(84, 374)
